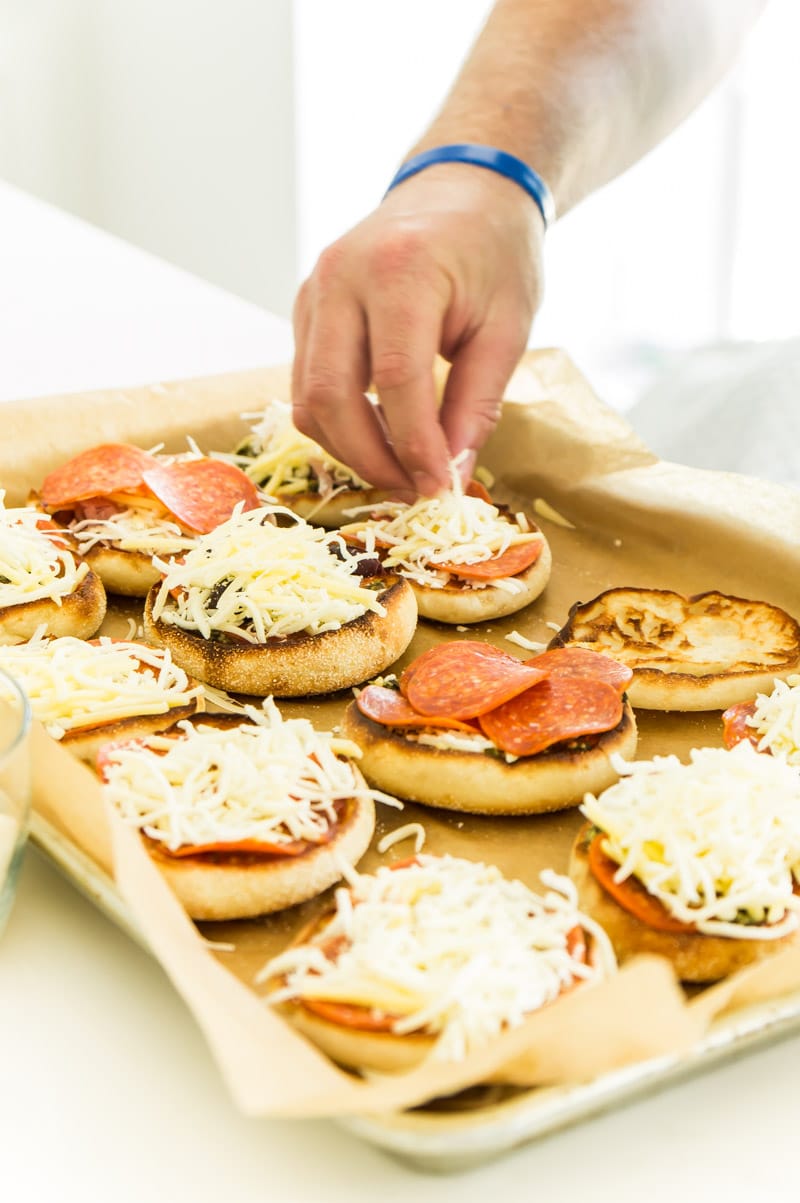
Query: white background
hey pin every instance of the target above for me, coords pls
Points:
(237, 139)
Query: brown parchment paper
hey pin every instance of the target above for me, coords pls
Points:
(637, 521)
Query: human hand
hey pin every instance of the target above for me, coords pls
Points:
(450, 262)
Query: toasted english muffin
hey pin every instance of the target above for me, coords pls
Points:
(85, 693)
(695, 957)
(385, 996)
(298, 664)
(483, 782)
(77, 613)
(228, 880)
(704, 652)
(698, 861)
(459, 602)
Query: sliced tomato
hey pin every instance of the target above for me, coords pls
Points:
(631, 894)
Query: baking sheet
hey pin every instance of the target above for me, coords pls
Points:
(636, 522)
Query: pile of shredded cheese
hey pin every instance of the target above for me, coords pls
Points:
(776, 721)
(134, 528)
(717, 840)
(34, 565)
(256, 581)
(71, 683)
(284, 461)
(449, 946)
(450, 528)
(270, 779)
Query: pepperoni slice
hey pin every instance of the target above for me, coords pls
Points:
(463, 679)
(201, 493)
(631, 894)
(252, 847)
(476, 489)
(390, 709)
(109, 468)
(582, 662)
(511, 562)
(558, 708)
(735, 728)
(351, 1015)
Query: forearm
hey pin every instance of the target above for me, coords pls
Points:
(581, 89)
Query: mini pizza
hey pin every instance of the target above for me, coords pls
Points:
(469, 727)
(771, 722)
(44, 583)
(705, 652)
(260, 608)
(297, 472)
(696, 862)
(87, 692)
(242, 816)
(123, 505)
(466, 559)
(433, 957)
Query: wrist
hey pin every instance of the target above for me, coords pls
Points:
(460, 188)
(484, 157)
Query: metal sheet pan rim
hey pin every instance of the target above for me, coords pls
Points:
(449, 1142)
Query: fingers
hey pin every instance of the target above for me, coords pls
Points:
(478, 377)
(404, 337)
(330, 377)
(386, 330)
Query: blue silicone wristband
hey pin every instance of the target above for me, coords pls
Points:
(492, 158)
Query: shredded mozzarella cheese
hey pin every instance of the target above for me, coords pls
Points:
(270, 779)
(717, 840)
(406, 832)
(134, 528)
(71, 683)
(451, 528)
(35, 564)
(283, 461)
(776, 721)
(254, 580)
(445, 946)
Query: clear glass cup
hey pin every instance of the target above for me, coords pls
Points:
(15, 786)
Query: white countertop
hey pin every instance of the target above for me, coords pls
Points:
(108, 1093)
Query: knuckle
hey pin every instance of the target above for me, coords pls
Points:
(392, 368)
(411, 448)
(330, 264)
(396, 253)
(320, 391)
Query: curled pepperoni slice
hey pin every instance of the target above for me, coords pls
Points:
(511, 562)
(582, 662)
(462, 679)
(476, 488)
(390, 709)
(735, 728)
(109, 468)
(201, 493)
(558, 708)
